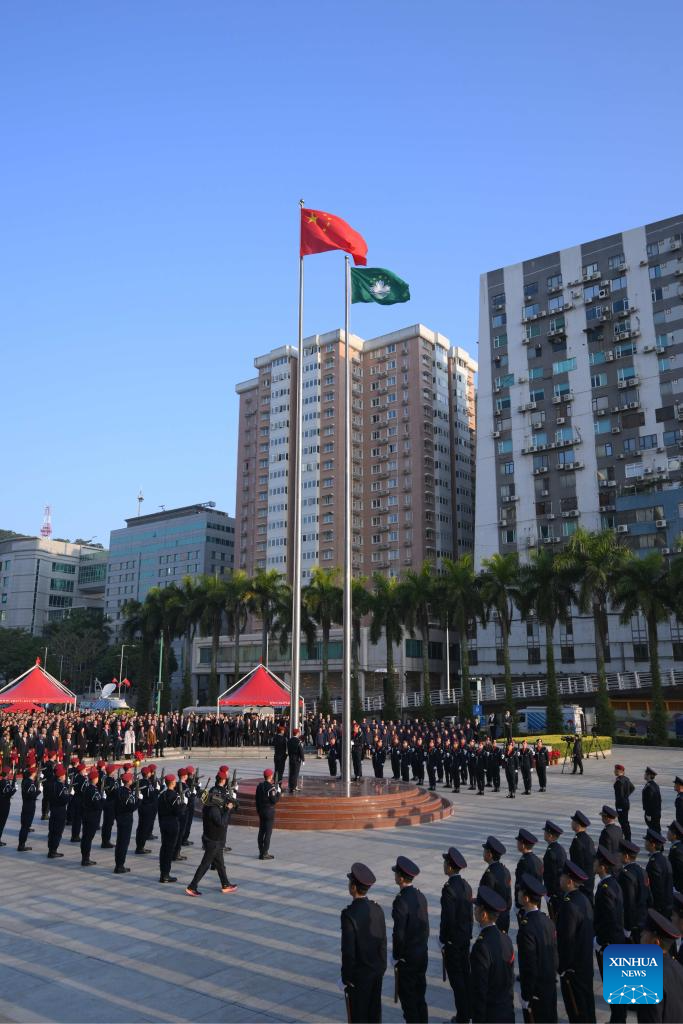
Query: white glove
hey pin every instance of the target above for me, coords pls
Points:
(235, 788)
(596, 944)
(104, 796)
(279, 789)
(140, 796)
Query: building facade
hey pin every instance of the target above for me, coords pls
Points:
(580, 413)
(42, 580)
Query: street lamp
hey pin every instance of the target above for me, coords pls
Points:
(123, 647)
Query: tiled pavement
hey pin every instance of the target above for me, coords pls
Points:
(79, 945)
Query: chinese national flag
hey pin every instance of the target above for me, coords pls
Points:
(322, 231)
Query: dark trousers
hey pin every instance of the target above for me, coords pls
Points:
(541, 771)
(4, 814)
(578, 766)
(189, 818)
(526, 778)
(76, 816)
(511, 778)
(544, 1006)
(431, 775)
(90, 823)
(496, 777)
(357, 762)
(169, 828)
(265, 830)
(159, 747)
(108, 816)
(579, 1001)
(45, 805)
(28, 810)
(365, 1001)
(412, 987)
(55, 828)
(405, 772)
(213, 857)
(624, 822)
(124, 827)
(182, 822)
(280, 769)
(146, 815)
(294, 769)
(481, 780)
(457, 964)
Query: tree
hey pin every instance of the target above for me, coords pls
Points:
(191, 598)
(596, 559)
(213, 600)
(643, 587)
(361, 603)
(237, 586)
(386, 606)
(323, 597)
(546, 592)
(500, 594)
(140, 626)
(18, 651)
(460, 604)
(266, 597)
(418, 593)
(75, 644)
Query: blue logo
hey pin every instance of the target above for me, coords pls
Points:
(632, 974)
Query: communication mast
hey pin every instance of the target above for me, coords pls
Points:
(141, 498)
(46, 528)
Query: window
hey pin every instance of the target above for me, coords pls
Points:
(655, 271)
(498, 301)
(648, 441)
(530, 290)
(536, 373)
(505, 381)
(590, 270)
(533, 331)
(564, 366)
(604, 451)
(532, 309)
(60, 567)
(500, 340)
(615, 262)
(505, 447)
(602, 425)
(620, 306)
(557, 324)
(596, 358)
(657, 294)
(536, 395)
(629, 444)
(618, 283)
(555, 303)
(508, 468)
(499, 320)
(626, 372)
(554, 282)
(591, 292)
(599, 380)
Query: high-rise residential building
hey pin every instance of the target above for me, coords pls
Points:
(165, 547)
(413, 439)
(42, 580)
(580, 410)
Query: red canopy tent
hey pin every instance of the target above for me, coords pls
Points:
(36, 686)
(259, 688)
(22, 707)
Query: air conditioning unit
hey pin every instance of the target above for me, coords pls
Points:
(550, 515)
(660, 449)
(560, 420)
(565, 515)
(522, 380)
(574, 513)
(643, 263)
(548, 540)
(648, 348)
(529, 406)
(648, 471)
(616, 430)
(525, 341)
(661, 351)
(666, 551)
(623, 384)
(600, 412)
(623, 528)
(660, 523)
(621, 456)
(557, 399)
(675, 245)
(603, 293)
(496, 433)
(497, 391)
(609, 356)
(633, 405)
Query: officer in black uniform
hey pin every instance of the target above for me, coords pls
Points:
(511, 760)
(577, 755)
(678, 786)
(395, 758)
(7, 790)
(182, 793)
(455, 931)
(266, 796)
(215, 816)
(147, 809)
(59, 794)
(661, 932)
(170, 811)
(280, 753)
(542, 759)
(491, 962)
(333, 758)
(295, 752)
(29, 794)
(608, 915)
(406, 761)
(537, 953)
(677, 918)
(582, 851)
(659, 873)
(528, 863)
(91, 809)
(379, 756)
(363, 948)
(497, 877)
(125, 806)
(48, 776)
(357, 748)
(575, 947)
(675, 837)
(611, 835)
(635, 890)
(495, 760)
(109, 812)
(409, 941)
(652, 801)
(553, 862)
(79, 780)
(525, 758)
(623, 787)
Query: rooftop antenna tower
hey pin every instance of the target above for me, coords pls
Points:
(141, 498)
(46, 528)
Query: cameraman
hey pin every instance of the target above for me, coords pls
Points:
(215, 816)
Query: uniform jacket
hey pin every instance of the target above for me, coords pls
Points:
(456, 913)
(661, 883)
(553, 861)
(652, 801)
(575, 935)
(411, 926)
(623, 787)
(608, 915)
(635, 889)
(266, 798)
(582, 853)
(492, 977)
(610, 837)
(497, 877)
(537, 954)
(363, 942)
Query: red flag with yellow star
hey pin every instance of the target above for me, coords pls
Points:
(322, 231)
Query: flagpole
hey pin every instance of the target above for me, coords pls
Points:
(348, 522)
(295, 495)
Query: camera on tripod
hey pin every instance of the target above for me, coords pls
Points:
(568, 739)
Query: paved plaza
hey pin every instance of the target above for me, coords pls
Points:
(88, 945)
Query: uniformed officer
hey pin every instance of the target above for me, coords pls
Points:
(675, 837)
(542, 759)
(525, 757)
(280, 752)
(363, 948)
(266, 796)
(575, 946)
(661, 932)
(91, 809)
(182, 793)
(147, 809)
(379, 756)
(678, 786)
(497, 877)
(59, 794)
(170, 811)
(553, 862)
(295, 752)
(659, 873)
(623, 787)
(677, 918)
(635, 890)
(409, 941)
(491, 962)
(109, 811)
(125, 806)
(582, 851)
(80, 777)
(577, 755)
(333, 757)
(215, 814)
(608, 917)
(652, 801)
(7, 790)
(611, 835)
(29, 794)
(511, 759)
(455, 931)
(528, 863)
(537, 954)
(48, 776)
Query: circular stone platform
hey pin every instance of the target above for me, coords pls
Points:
(322, 804)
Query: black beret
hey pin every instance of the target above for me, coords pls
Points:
(580, 818)
(605, 855)
(494, 845)
(608, 811)
(524, 836)
(656, 922)
(574, 871)
(489, 898)
(550, 826)
(455, 857)
(655, 837)
(406, 867)
(362, 874)
(628, 847)
(532, 885)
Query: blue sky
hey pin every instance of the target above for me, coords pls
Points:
(153, 156)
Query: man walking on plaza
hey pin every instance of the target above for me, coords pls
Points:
(215, 823)
(652, 801)
(266, 796)
(170, 812)
(623, 787)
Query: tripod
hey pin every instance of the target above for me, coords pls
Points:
(568, 752)
(595, 747)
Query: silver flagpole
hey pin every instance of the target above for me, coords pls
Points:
(348, 523)
(295, 496)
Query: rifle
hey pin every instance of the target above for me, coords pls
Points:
(347, 1000)
(136, 782)
(528, 1015)
(396, 983)
(443, 964)
(568, 993)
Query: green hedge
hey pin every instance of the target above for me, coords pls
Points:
(555, 740)
(644, 741)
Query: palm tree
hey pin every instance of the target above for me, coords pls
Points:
(644, 587)
(213, 597)
(323, 597)
(266, 596)
(386, 606)
(139, 625)
(596, 559)
(500, 594)
(237, 587)
(361, 603)
(547, 592)
(418, 592)
(190, 596)
(460, 604)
